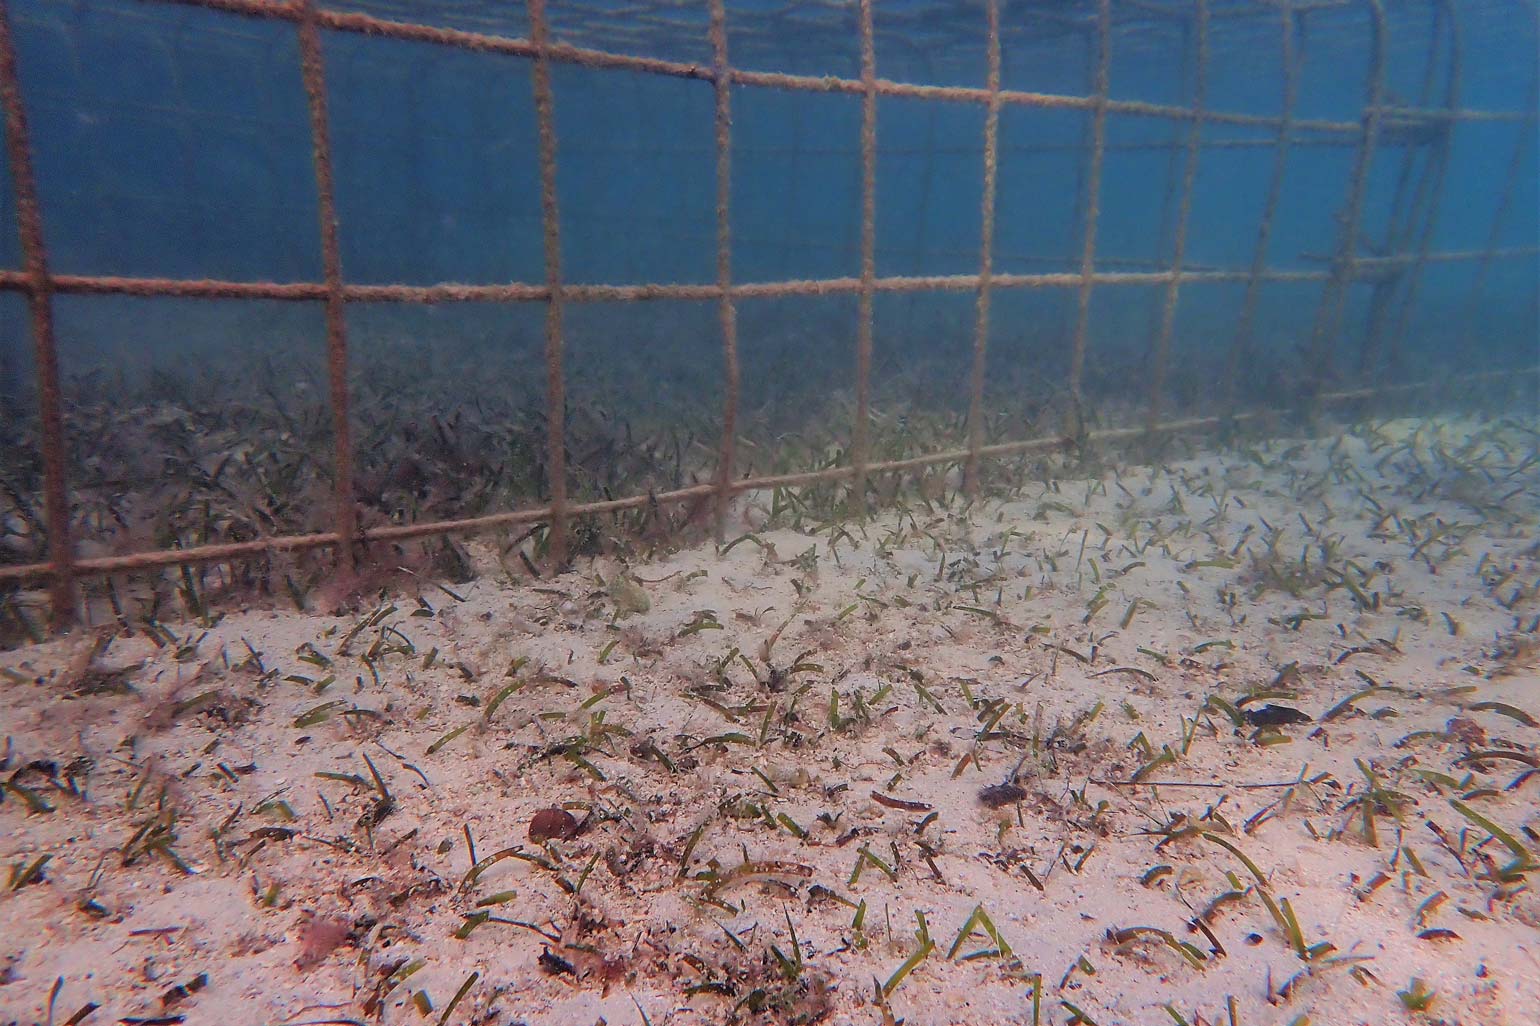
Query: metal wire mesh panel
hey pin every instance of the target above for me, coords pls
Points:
(522, 166)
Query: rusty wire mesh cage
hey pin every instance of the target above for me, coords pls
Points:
(241, 125)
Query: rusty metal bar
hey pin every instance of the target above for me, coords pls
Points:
(1092, 210)
(1162, 356)
(45, 102)
(343, 21)
(1403, 212)
(102, 566)
(727, 312)
(80, 284)
(555, 379)
(1174, 155)
(795, 149)
(29, 224)
(986, 255)
(1343, 268)
(313, 69)
(1328, 318)
(1494, 234)
(1082, 150)
(1240, 346)
(865, 314)
(1436, 178)
(1409, 152)
(1373, 265)
(1444, 114)
(453, 293)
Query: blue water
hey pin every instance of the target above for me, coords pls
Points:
(172, 141)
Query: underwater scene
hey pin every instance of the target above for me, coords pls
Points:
(817, 511)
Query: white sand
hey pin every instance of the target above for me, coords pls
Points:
(638, 936)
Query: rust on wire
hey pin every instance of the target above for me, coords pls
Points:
(516, 292)
(865, 313)
(314, 73)
(29, 223)
(456, 292)
(727, 312)
(555, 380)
(1162, 354)
(986, 257)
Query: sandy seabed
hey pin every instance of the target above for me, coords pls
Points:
(1241, 739)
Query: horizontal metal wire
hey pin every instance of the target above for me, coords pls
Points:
(101, 566)
(348, 21)
(188, 288)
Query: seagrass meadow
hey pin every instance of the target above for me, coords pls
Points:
(824, 511)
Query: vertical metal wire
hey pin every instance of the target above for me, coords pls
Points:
(722, 76)
(313, 70)
(1524, 137)
(860, 434)
(1159, 371)
(1435, 195)
(555, 380)
(1168, 201)
(1398, 202)
(1082, 154)
(1396, 240)
(1240, 346)
(1405, 208)
(1522, 140)
(1092, 207)
(29, 223)
(1328, 319)
(986, 256)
